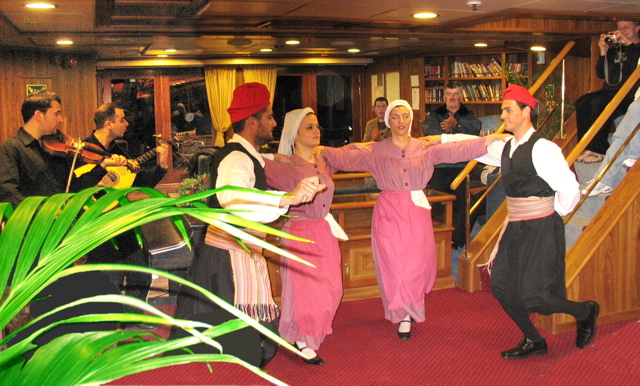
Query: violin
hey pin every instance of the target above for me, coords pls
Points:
(62, 145)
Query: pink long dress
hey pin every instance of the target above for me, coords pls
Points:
(403, 244)
(310, 296)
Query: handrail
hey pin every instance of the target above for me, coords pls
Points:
(533, 89)
(606, 113)
(604, 171)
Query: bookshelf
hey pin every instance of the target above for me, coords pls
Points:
(483, 78)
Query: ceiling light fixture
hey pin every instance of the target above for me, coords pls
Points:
(354, 50)
(64, 42)
(425, 15)
(481, 45)
(266, 50)
(292, 42)
(163, 56)
(538, 48)
(474, 4)
(170, 50)
(40, 6)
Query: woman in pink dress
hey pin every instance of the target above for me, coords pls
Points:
(403, 245)
(310, 296)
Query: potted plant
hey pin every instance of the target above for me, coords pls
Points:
(40, 242)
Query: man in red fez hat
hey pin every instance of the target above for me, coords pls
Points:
(528, 268)
(220, 265)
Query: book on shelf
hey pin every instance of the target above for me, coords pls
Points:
(481, 92)
(433, 71)
(434, 95)
(496, 66)
(517, 68)
(476, 70)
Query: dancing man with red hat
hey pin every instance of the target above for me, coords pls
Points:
(220, 264)
(528, 268)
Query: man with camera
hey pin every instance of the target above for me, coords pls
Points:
(619, 53)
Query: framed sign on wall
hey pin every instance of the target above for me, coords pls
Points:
(32, 88)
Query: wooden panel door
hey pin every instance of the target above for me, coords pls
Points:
(357, 259)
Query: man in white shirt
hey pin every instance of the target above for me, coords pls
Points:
(528, 272)
(220, 264)
(527, 266)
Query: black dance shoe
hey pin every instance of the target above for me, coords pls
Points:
(587, 327)
(526, 348)
(316, 360)
(404, 335)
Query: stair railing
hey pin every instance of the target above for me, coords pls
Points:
(585, 194)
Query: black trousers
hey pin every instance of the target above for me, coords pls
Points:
(528, 273)
(211, 269)
(128, 252)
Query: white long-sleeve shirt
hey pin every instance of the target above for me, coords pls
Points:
(236, 169)
(548, 161)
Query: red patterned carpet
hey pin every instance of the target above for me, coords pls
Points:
(459, 344)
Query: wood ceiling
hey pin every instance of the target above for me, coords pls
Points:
(121, 30)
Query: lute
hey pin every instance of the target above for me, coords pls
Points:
(123, 176)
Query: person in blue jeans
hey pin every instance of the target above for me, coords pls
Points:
(627, 158)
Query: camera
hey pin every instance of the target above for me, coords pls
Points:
(611, 38)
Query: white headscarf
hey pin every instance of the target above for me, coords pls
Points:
(290, 129)
(394, 104)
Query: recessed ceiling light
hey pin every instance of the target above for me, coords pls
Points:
(266, 50)
(481, 45)
(40, 6)
(425, 15)
(353, 50)
(538, 48)
(292, 42)
(64, 42)
(170, 50)
(163, 56)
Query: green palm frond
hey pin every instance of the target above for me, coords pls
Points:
(41, 240)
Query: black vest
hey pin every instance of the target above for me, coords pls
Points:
(519, 176)
(261, 178)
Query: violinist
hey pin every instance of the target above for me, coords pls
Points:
(27, 169)
(111, 124)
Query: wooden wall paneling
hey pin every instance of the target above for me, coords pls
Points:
(544, 24)
(576, 86)
(75, 85)
(415, 67)
(309, 91)
(77, 88)
(162, 106)
(10, 96)
(380, 67)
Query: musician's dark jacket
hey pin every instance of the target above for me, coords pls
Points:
(129, 250)
(27, 170)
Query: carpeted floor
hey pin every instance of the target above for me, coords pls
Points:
(459, 344)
